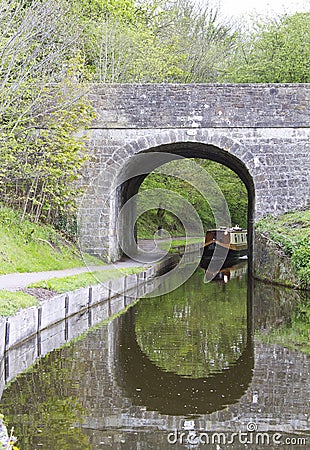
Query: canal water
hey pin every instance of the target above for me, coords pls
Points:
(205, 366)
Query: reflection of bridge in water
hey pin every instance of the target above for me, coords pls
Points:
(276, 386)
(268, 381)
(268, 393)
(128, 401)
(166, 392)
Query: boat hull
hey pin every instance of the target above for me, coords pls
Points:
(226, 256)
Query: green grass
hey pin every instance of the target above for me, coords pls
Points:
(178, 243)
(73, 282)
(30, 247)
(291, 232)
(11, 302)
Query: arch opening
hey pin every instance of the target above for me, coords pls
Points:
(130, 182)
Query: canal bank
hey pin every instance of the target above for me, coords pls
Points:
(282, 249)
(63, 310)
(34, 332)
(101, 298)
(272, 265)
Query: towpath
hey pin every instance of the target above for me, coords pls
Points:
(14, 281)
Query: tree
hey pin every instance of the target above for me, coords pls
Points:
(196, 37)
(229, 183)
(277, 52)
(42, 105)
(155, 41)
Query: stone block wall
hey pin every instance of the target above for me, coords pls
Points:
(271, 263)
(200, 105)
(260, 131)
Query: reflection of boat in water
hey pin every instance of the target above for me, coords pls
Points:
(226, 243)
(228, 273)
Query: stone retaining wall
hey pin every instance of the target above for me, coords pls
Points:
(271, 264)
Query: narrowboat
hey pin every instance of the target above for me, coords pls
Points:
(230, 243)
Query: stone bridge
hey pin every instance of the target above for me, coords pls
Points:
(261, 131)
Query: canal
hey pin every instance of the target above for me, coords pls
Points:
(195, 368)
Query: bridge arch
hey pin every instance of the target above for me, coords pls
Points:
(193, 144)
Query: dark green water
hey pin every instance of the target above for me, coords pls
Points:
(188, 360)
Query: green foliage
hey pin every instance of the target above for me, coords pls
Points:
(291, 231)
(40, 412)
(38, 168)
(104, 9)
(168, 41)
(277, 52)
(148, 224)
(152, 41)
(42, 107)
(11, 302)
(301, 260)
(230, 184)
(232, 188)
(196, 39)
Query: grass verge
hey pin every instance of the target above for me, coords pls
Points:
(12, 302)
(32, 247)
(70, 283)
